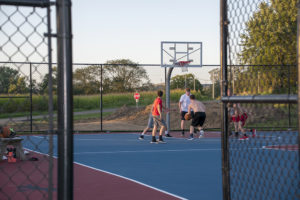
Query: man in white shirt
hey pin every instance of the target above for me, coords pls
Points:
(184, 103)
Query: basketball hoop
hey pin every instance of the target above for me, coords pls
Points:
(183, 65)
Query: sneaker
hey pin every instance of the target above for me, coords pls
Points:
(245, 137)
(201, 136)
(168, 135)
(153, 141)
(161, 141)
(201, 132)
(191, 137)
(141, 137)
(236, 134)
(182, 134)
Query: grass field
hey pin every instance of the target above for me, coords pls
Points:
(16, 106)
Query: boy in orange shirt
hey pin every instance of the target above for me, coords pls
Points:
(158, 118)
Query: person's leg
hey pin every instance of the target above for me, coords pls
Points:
(162, 129)
(154, 133)
(160, 139)
(236, 129)
(143, 133)
(242, 130)
(201, 123)
(182, 127)
(145, 130)
(182, 122)
(191, 132)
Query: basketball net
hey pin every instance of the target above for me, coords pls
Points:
(184, 65)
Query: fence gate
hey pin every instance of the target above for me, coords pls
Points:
(260, 138)
(26, 103)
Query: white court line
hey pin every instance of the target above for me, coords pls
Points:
(120, 176)
(147, 151)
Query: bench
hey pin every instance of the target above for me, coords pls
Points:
(16, 142)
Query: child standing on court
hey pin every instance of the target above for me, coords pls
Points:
(158, 118)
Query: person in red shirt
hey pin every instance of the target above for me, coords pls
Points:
(158, 118)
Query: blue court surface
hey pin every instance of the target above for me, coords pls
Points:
(190, 169)
(187, 169)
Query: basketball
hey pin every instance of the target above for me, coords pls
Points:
(187, 116)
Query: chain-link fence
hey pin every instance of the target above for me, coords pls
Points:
(260, 87)
(104, 94)
(25, 101)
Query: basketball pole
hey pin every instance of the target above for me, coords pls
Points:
(168, 104)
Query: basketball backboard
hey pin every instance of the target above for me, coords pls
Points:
(173, 54)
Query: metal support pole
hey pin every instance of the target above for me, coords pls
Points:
(50, 107)
(65, 100)
(30, 77)
(298, 63)
(101, 102)
(213, 87)
(168, 104)
(289, 92)
(224, 111)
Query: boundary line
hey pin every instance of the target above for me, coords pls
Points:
(120, 176)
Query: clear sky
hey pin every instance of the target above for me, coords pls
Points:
(133, 29)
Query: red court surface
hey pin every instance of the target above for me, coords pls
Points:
(29, 180)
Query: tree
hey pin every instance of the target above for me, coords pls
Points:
(270, 39)
(87, 80)
(20, 87)
(124, 75)
(178, 82)
(43, 86)
(8, 76)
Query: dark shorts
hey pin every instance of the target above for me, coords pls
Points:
(159, 122)
(198, 119)
(182, 114)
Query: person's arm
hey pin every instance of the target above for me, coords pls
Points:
(159, 111)
(189, 109)
(179, 104)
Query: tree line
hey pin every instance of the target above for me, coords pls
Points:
(121, 75)
(268, 50)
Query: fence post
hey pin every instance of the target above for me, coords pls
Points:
(30, 77)
(50, 106)
(168, 99)
(298, 66)
(101, 102)
(224, 111)
(65, 100)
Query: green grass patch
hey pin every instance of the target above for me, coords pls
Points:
(14, 107)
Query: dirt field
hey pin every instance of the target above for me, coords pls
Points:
(135, 119)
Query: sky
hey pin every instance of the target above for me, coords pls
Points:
(134, 29)
(106, 30)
